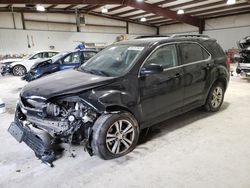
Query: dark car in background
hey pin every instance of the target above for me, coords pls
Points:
(129, 86)
(61, 61)
(243, 58)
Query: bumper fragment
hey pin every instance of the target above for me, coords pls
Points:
(31, 139)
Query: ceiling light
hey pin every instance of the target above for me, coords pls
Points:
(104, 10)
(231, 2)
(180, 11)
(143, 19)
(40, 8)
(139, 0)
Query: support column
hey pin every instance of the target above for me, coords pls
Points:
(78, 27)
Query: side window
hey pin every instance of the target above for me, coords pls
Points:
(45, 55)
(88, 55)
(72, 58)
(39, 55)
(51, 54)
(192, 52)
(165, 56)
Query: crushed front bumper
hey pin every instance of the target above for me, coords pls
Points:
(34, 141)
(5, 69)
(28, 77)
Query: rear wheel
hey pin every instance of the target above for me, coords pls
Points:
(114, 135)
(215, 97)
(19, 70)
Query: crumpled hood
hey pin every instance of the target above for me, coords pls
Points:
(40, 61)
(63, 82)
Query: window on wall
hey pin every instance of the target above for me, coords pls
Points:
(165, 56)
(192, 52)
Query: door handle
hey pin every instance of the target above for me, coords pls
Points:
(177, 75)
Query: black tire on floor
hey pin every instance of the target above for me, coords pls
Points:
(106, 123)
(210, 102)
(19, 70)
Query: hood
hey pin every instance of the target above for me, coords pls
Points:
(63, 82)
(11, 60)
(25, 62)
(41, 61)
(8, 61)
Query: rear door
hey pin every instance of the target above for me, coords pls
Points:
(196, 63)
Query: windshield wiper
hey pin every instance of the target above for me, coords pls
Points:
(96, 72)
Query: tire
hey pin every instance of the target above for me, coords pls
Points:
(117, 144)
(19, 70)
(215, 97)
(238, 71)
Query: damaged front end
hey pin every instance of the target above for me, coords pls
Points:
(68, 120)
(5, 69)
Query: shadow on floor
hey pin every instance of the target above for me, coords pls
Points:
(175, 123)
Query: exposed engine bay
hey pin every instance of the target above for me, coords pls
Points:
(67, 120)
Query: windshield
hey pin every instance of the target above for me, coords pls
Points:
(113, 61)
(58, 56)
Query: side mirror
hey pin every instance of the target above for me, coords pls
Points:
(151, 69)
(238, 58)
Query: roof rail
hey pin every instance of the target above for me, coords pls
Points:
(151, 36)
(189, 35)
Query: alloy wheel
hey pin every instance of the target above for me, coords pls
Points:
(217, 97)
(120, 137)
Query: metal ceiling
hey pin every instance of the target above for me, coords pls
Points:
(157, 12)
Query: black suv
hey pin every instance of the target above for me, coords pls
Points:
(127, 87)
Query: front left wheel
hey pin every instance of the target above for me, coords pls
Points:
(19, 70)
(114, 135)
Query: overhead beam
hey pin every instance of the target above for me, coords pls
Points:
(125, 12)
(94, 7)
(226, 12)
(219, 9)
(50, 7)
(93, 2)
(164, 2)
(186, 4)
(116, 8)
(151, 8)
(72, 11)
(69, 7)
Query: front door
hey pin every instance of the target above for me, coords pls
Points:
(162, 93)
(72, 60)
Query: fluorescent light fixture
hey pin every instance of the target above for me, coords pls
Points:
(104, 10)
(139, 0)
(231, 2)
(180, 11)
(40, 8)
(143, 19)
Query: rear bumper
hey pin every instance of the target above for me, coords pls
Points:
(30, 138)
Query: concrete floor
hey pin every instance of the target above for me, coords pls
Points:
(197, 149)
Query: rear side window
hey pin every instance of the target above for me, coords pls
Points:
(51, 54)
(88, 55)
(191, 52)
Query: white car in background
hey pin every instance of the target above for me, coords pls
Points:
(20, 68)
